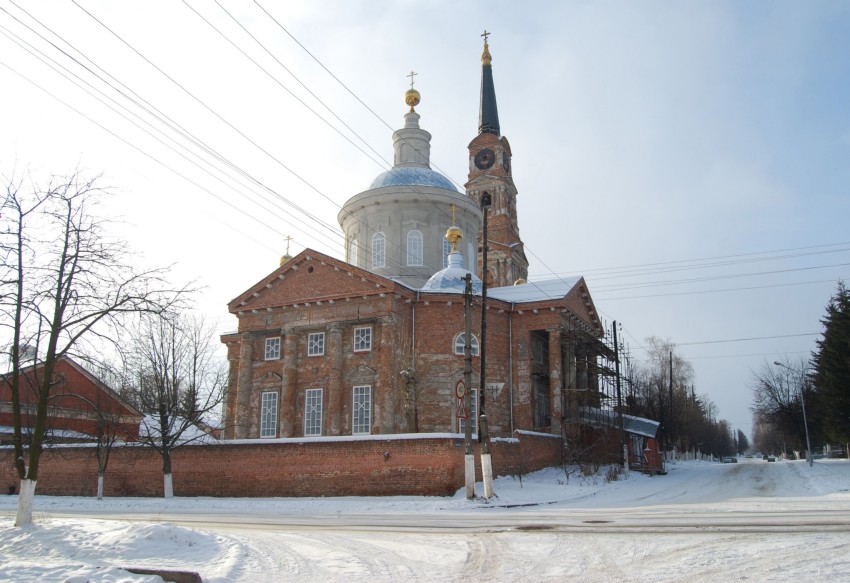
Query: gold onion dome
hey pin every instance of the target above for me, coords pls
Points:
(453, 236)
(285, 259)
(412, 98)
(520, 281)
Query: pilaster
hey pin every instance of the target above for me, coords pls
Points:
(244, 386)
(289, 384)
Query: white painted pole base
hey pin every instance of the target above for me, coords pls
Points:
(24, 517)
(168, 487)
(487, 474)
(469, 474)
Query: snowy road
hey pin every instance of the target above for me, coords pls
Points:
(703, 522)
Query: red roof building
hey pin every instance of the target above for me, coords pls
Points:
(79, 406)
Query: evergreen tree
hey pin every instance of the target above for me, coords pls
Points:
(832, 368)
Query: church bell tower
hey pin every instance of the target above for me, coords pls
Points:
(490, 172)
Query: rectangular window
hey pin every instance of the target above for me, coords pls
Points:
(268, 415)
(313, 412)
(363, 339)
(272, 348)
(473, 414)
(316, 344)
(362, 421)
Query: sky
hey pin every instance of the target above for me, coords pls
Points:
(702, 522)
(690, 159)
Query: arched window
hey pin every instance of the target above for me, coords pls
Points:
(414, 248)
(379, 250)
(352, 252)
(447, 248)
(460, 341)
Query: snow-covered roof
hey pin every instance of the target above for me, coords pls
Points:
(149, 427)
(412, 177)
(51, 433)
(452, 279)
(535, 291)
(608, 418)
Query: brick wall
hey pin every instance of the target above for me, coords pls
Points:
(415, 464)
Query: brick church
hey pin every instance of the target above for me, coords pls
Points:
(374, 345)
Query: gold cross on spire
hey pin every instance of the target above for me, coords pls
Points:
(411, 75)
(485, 35)
(287, 239)
(453, 214)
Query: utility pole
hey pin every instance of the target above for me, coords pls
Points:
(469, 456)
(483, 435)
(625, 459)
(670, 426)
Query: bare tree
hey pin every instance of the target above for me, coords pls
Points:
(66, 286)
(111, 424)
(177, 379)
(777, 399)
(662, 397)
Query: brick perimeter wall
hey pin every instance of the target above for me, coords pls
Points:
(379, 467)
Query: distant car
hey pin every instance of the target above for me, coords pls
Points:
(749, 456)
(730, 460)
(765, 457)
(771, 458)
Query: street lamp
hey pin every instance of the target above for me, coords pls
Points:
(805, 423)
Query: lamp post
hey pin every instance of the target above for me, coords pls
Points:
(805, 422)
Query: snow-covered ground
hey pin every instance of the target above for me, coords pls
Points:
(754, 521)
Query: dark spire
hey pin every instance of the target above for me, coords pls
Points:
(488, 114)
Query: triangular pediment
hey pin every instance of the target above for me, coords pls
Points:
(311, 277)
(581, 304)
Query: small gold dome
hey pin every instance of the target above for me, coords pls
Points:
(520, 281)
(285, 259)
(411, 98)
(453, 236)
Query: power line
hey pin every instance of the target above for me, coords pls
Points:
(626, 268)
(771, 354)
(212, 111)
(44, 56)
(747, 339)
(147, 155)
(709, 291)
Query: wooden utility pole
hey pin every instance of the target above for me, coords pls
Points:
(469, 456)
(483, 435)
(625, 458)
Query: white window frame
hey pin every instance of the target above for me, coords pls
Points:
(268, 414)
(313, 412)
(460, 342)
(272, 348)
(316, 344)
(363, 339)
(415, 248)
(473, 414)
(361, 411)
(379, 250)
(447, 248)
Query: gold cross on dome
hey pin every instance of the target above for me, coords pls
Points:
(485, 35)
(287, 239)
(411, 75)
(453, 214)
